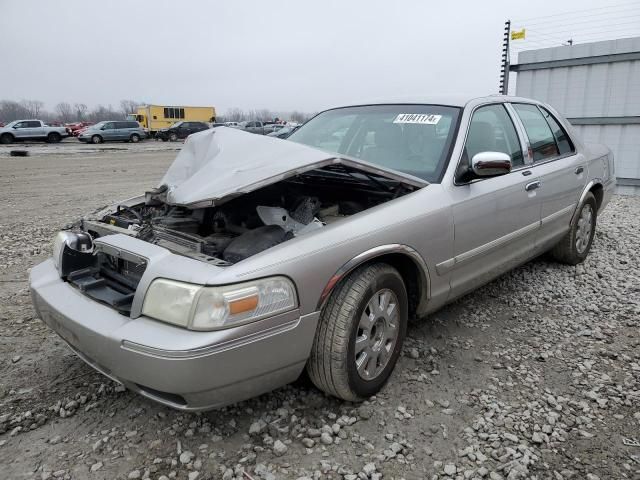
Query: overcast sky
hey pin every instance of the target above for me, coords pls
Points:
(282, 55)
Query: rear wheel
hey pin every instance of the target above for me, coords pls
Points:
(576, 244)
(360, 333)
(96, 139)
(54, 137)
(6, 138)
(135, 138)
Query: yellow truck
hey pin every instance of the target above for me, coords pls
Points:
(155, 117)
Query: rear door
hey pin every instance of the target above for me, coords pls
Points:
(36, 129)
(558, 166)
(495, 219)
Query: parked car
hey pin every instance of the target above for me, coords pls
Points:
(180, 130)
(232, 124)
(74, 129)
(253, 259)
(254, 127)
(283, 132)
(123, 131)
(19, 130)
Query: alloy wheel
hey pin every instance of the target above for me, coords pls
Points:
(377, 334)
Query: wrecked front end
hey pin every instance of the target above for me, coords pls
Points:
(135, 289)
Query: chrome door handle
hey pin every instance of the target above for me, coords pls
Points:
(532, 186)
(579, 170)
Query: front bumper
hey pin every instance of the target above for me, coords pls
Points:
(210, 370)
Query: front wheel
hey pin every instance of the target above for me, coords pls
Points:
(360, 333)
(576, 244)
(173, 136)
(6, 138)
(96, 139)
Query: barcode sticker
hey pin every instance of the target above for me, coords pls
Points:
(418, 118)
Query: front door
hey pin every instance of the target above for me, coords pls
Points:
(495, 219)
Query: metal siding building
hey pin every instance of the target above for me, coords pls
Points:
(597, 87)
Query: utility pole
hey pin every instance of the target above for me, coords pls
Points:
(504, 69)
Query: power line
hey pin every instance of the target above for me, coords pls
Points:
(601, 18)
(609, 7)
(576, 41)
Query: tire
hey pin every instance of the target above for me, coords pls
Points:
(96, 139)
(54, 137)
(339, 367)
(576, 244)
(135, 138)
(173, 136)
(6, 138)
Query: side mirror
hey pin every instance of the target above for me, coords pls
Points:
(15, 127)
(490, 164)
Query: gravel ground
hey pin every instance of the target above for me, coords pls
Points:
(536, 375)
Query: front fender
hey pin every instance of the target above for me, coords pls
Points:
(376, 252)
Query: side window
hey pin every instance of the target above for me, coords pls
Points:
(491, 130)
(119, 125)
(21, 125)
(562, 139)
(108, 126)
(541, 137)
(33, 124)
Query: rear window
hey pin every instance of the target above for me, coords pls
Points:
(562, 139)
(541, 138)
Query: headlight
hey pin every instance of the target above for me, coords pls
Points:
(212, 308)
(80, 242)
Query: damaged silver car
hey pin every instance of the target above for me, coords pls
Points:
(256, 258)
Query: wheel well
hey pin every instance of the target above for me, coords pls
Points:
(410, 275)
(598, 192)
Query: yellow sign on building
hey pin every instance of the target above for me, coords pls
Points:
(518, 35)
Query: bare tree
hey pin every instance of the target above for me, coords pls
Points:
(233, 115)
(264, 115)
(129, 106)
(81, 111)
(10, 110)
(33, 107)
(298, 117)
(64, 111)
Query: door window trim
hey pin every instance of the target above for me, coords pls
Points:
(530, 151)
(521, 139)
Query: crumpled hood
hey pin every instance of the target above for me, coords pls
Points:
(219, 164)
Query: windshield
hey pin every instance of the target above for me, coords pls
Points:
(177, 124)
(413, 139)
(11, 124)
(97, 125)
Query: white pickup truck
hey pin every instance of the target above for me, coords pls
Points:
(31, 130)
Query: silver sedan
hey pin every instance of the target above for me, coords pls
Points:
(256, 258)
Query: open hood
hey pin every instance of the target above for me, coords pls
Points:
(217, 165)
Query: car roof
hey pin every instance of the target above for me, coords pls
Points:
(449, 100)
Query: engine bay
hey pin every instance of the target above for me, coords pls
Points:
(253, 222)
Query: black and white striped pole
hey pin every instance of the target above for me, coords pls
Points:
(504, 69)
